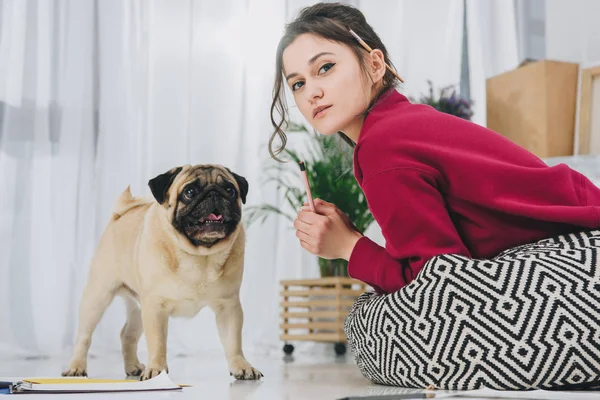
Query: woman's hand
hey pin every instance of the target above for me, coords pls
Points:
(328, 233)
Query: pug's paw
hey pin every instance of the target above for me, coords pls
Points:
(134, 369)
(242, 370)
(76, 368)
(152, 371)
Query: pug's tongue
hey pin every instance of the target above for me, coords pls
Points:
(213, 217)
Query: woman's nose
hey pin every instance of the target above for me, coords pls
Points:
(315, 92)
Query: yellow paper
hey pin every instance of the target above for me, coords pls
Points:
(62, 381)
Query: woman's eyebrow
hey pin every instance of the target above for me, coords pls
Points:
(315, 57)
(310, 62)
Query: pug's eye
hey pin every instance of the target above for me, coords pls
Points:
(230, 191)
(190, 192)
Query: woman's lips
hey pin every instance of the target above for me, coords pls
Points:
(320, 111)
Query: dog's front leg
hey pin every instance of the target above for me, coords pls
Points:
(230, 319)
(155, 319)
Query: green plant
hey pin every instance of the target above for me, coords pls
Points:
(329, 171)
(448, 102)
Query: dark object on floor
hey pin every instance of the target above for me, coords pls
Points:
(340, 349)
(288, 348)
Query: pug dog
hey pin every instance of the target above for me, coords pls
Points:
(170, 256)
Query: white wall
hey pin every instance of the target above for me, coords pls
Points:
(573, 30)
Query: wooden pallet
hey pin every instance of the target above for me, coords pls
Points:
(315, 309)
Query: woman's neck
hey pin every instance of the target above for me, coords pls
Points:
(353, 130)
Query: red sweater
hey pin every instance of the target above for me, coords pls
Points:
(437, 184)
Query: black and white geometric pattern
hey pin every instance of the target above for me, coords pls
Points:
(527, 319)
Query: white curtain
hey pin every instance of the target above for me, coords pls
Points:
(493, 48)
(47, 147)
(98, 95)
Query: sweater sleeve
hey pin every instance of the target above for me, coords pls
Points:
(415, 223)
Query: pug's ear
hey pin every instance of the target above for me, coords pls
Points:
(161, 184)
(242, 183)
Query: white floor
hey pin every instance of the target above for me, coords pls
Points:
(306, 376)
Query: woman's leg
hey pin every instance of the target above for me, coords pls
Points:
(529, 318)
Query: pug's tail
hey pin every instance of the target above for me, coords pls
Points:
(126, 202)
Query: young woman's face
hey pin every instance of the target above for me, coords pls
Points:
(329, 86)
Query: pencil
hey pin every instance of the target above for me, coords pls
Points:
(369, 49)
(307, 186)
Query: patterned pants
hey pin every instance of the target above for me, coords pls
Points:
(527, 319)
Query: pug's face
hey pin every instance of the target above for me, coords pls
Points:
(203, 201)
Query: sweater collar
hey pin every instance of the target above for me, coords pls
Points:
(389, 99)
(386, 101)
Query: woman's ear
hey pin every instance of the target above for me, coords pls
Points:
(377, 61)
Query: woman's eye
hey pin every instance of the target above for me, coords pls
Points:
(326, 68)
(296, 87)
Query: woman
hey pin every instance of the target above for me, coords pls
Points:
(467, 217)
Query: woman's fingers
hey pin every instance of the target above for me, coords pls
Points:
(309, 217)
(301, 225)
(306, 246)
(303, 236)
(319, 201)
(325, 209)
(321, 209)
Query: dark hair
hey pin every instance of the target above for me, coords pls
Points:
(331, 21)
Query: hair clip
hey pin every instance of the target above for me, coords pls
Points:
(366, 46)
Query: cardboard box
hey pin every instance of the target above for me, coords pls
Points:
(534, 106)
